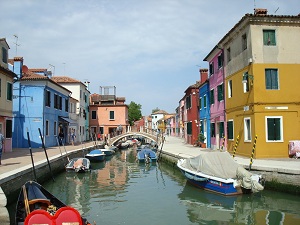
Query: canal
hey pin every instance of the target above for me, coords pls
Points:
(122, 191)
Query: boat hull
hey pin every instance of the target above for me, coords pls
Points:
(82, 167)
(212, 185)
(95, 158)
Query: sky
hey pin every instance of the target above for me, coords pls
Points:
(150, 50)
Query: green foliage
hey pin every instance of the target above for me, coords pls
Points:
(134, 112)
(155, 110)
(201, 137)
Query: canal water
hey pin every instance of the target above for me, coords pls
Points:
(122, 191)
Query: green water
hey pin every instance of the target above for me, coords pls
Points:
(121, 191)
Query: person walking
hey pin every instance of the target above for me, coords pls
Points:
(1, 145)
(61, 137)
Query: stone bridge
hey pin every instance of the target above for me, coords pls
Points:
(152, 137)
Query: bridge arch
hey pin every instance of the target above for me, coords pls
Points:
(115, 139)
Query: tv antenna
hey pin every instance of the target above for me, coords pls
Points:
(16, 43)
(276, 10)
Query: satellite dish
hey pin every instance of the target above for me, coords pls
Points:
(24, 69)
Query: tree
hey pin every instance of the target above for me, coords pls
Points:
(134, 112)
(155, 110)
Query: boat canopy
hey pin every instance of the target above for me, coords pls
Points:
(213, 163)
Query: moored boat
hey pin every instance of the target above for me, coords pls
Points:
(218, 172)
(36, 205)
(108, 151)
(146, 155)
(96, 155)
(79, 165)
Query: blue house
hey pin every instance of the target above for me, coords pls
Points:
(39, 105)
(204, 106)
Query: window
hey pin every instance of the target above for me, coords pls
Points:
(220, 92)
(229, 88)
(211, 68)
(9, 91)
(60, 103)
(274, 128)
(247, 129)
(220, 61)
(94, 115)
(212, 97)
(188, 102)
(269, 37)
(111, 115)
(47, 128)
(246, 84)
(67, 105)
(212, 130)
(47, 98)
(55, 128)
(230, 130)
(244, 41)
(189, 128)
(4, 55)
(200, 103)
(271, 76)
(204, 101)
(221, 129)
(228, 55)
(55, 101)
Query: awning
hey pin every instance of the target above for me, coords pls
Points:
(71, 122)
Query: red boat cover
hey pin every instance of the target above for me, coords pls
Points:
(63, 216)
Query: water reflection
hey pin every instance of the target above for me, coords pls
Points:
(264, 208)
(122, 191)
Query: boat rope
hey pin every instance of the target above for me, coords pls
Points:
(26, 203)
(236, 144)
(252, 154)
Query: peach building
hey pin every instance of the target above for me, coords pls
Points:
(108, 113)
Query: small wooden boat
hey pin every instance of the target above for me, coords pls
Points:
(218, 172)
(79, 165)
(96, 155)
(146, 155)
(36, 205)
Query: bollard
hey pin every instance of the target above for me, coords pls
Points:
(252, 154)
(236, 144)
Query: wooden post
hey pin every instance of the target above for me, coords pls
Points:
(252, 154)
(236, 144)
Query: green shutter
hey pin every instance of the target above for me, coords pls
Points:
(221, 131)
(277, 129)
(230, 130)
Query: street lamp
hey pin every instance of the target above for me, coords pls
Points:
(246, 77)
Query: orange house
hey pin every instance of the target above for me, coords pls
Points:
(108, 114)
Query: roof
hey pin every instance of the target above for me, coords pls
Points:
(7, 72)
(65, 79)
(159, 112)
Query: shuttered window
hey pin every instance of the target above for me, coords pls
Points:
(212, 130)
(220, 92)
(274, 128)
(271, 76)
(212, 97)
(221, 129)
(189, 128)
(269, 37)
(230, 130)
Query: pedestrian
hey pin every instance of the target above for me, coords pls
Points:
(73, 136)
(1, 145)
(99, 136)
(61, 137)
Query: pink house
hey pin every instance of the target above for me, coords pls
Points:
(217, 98)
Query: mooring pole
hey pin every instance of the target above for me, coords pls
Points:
(29, 144)
(252, 154)
(43, 145)
(236, 144)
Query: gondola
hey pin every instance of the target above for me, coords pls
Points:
(36, 205)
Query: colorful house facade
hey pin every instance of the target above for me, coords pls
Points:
(6, 96)
(217, 99)
(39, 105)
(261, 68)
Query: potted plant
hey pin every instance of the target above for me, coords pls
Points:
(201, 139)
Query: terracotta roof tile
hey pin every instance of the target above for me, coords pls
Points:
(64, 79)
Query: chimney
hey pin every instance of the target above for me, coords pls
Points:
(203, 75)
(17, 67)
(260, 12)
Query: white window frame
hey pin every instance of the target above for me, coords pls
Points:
(281, 128)
(247, 130)
(229, 88)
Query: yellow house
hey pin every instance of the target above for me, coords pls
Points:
(262, 77)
